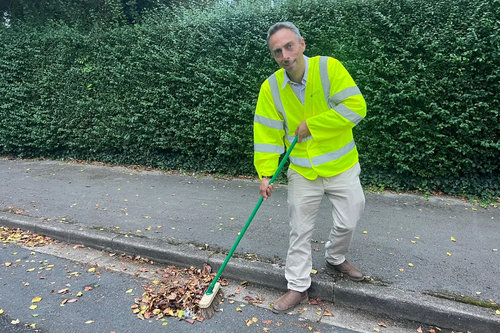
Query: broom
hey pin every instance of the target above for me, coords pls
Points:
(213, 296)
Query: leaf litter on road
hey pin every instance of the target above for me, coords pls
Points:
(24, 238)
(177, 295)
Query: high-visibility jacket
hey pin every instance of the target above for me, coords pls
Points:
(333, 106)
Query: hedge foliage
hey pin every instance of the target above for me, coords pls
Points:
(87, 13)
(179, 90)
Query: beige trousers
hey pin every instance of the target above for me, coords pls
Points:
(304, 197)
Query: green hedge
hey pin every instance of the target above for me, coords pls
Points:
(179, 90)
(88, 13)
(431, 75)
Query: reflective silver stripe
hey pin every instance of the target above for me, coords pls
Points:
(342, 95)
(347, 113)
(272, 123)
(334, 155)
(303, 162)
(325, 80)
(307, 138)
(334, 101)
(325, 158)
(275, 92)
(267, 148)
(290, 138)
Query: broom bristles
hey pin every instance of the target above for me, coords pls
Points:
(209, 303)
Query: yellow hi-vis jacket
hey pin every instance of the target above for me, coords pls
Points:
(333, 106)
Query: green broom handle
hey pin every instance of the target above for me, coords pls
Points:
(280, 166)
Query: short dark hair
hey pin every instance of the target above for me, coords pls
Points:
(283, 25)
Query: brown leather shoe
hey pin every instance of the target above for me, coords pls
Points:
(348, 270)
(288, 301)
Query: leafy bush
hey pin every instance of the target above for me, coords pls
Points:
(89, 13)
(428, 72)
(179, 90)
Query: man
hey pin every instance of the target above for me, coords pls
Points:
(317, 100)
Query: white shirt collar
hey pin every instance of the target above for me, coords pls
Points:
(304, 79)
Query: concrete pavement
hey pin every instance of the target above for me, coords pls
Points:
(188, 220)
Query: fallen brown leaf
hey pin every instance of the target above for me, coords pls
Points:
(248, 298)
(259, 299)
(207, 269)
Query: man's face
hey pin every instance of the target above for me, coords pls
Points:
(287, 50)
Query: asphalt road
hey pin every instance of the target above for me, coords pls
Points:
(107, 307)
(411, 244)
(7, 327)
(26, 273)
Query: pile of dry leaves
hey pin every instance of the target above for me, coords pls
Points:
(177, 295)
(24, 238)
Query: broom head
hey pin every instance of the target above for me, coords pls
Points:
(209, 303)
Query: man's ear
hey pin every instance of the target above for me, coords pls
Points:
(303, 44)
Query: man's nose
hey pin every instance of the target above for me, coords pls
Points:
(286, 54)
